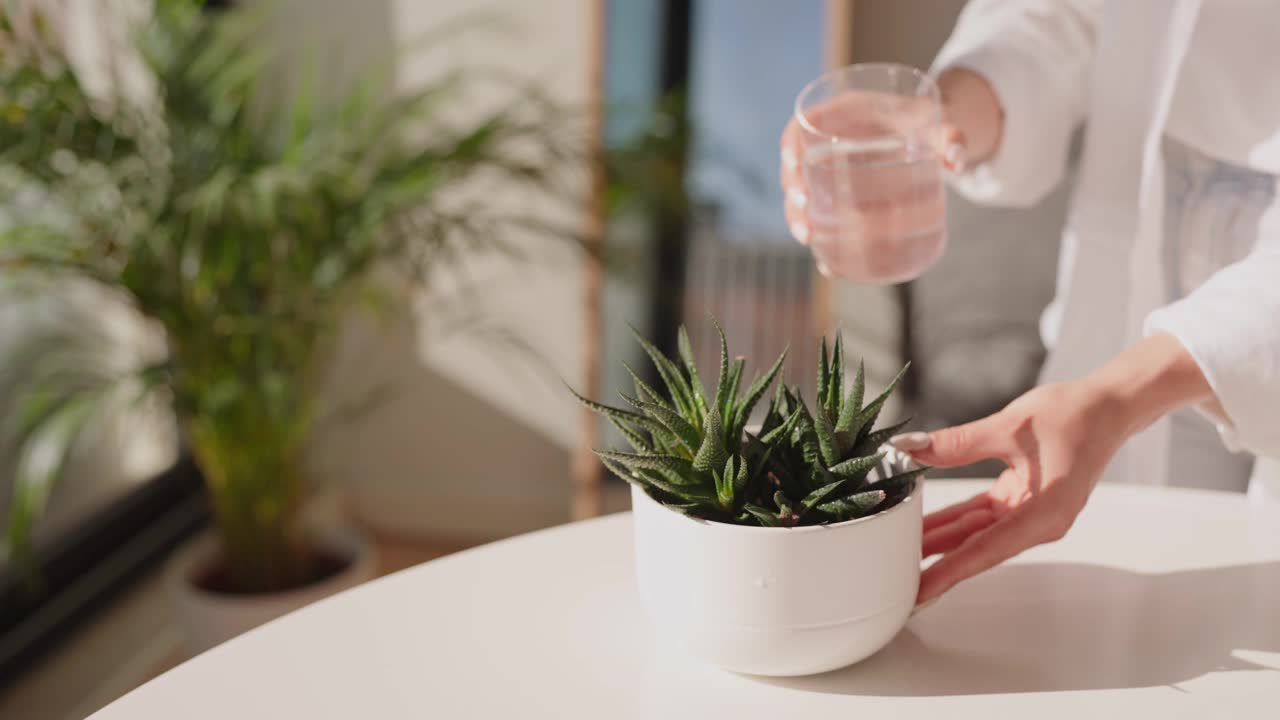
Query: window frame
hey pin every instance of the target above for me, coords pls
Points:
(81, 572)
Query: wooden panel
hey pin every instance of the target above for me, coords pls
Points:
(839, 52)
(839, 39)
(586, 471)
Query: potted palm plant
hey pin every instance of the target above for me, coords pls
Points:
(788, 549)
(240, 222)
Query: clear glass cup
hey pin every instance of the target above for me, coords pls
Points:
(876, 203)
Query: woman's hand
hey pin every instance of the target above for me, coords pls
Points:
(969, 133)
(1056, 440)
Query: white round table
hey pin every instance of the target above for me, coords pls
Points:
(1159, 603)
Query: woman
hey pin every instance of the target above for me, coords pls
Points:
(1165, 332)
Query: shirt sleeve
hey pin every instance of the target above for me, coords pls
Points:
(1036, 54)
(1231, 327)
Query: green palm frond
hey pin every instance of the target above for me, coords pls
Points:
(59, 387)
(243, 213)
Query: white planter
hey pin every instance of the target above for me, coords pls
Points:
(209, 619)
(778, 601)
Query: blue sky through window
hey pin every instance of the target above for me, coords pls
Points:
(749, 59)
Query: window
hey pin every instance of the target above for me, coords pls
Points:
(106, 523)
(728, 71)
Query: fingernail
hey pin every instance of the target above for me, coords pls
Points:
(897, 458)
(789, 159)
(800, 231)
(954, 158)
(797, 198)
(823, 270)
(908, 442)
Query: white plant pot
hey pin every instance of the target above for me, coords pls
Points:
(210, 618)
(778, 601)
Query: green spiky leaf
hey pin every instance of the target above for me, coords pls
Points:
(866, 418)
(663, 438)
(763, 460)
(783, 430)
(826, 436)
(741, 478)
(621, 471)
(835, 382)
(637, 441)
(646, 478)
(683, 493)
(687, 434)
(765, 517)
(809, 445)
(853, 403)
(901, 484)
(691, 367)
(722, 387)
(618, 414)
(712, 453)
(824, 374)
(754, 392)
(773, 417)
(677, 387)
(683, 508)
(856, 468)
(786, 511)
(816, 497)
(854, 506)
(645, 391)
(729, 410)
(637, 461)
(725, 485)
(872, 441)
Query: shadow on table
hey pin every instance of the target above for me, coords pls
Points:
(1056, 627)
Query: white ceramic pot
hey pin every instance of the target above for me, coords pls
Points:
(778, 601)
(209, 618)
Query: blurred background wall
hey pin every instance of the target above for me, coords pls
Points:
(468, 431)
(470, 428)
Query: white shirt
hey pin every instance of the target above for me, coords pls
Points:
(1227, 98)
(1119, 64)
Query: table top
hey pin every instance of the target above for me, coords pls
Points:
(1158, 602)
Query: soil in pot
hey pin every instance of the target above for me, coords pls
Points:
(322, 564)
(210, 609)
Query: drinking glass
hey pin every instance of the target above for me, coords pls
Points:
(876, 204)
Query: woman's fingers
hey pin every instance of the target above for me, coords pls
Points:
(795, 197)
(945, 538)
(884, 203)
(948, 142)
(964, 444)
(985, 549)
(951, 513)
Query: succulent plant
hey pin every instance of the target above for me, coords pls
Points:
(693, 453)
(821, 469)
(687, 449)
